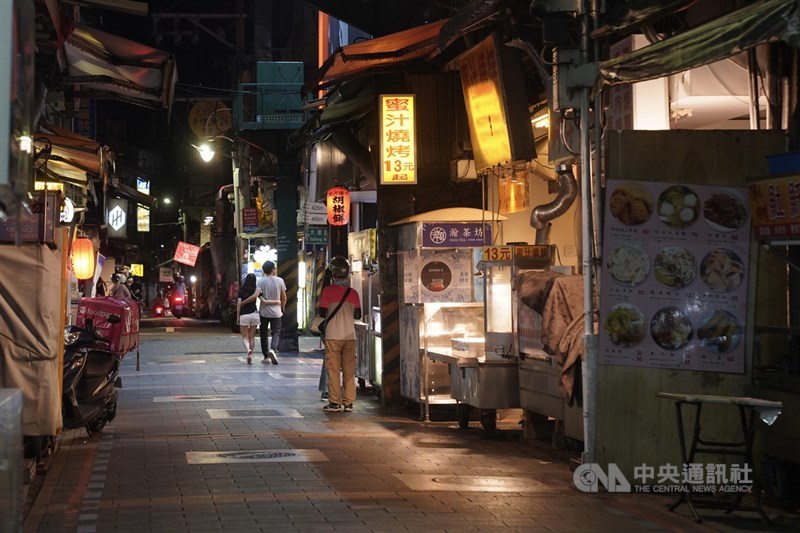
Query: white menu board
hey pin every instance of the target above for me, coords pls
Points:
(674, 292)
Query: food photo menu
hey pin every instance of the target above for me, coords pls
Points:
(674, 292)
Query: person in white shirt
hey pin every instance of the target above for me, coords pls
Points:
(271, 292)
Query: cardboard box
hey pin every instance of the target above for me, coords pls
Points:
(121, 337)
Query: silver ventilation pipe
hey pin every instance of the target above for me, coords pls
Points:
(543, 214)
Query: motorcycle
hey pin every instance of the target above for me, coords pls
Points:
(176, 304)
(91, 378)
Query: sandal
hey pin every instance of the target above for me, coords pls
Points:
(249, 358)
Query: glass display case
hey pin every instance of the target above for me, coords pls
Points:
(500, 266)
(432, 328)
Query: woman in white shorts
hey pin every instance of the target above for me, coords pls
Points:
(247, 315)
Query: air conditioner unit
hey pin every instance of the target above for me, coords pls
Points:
(463, 170)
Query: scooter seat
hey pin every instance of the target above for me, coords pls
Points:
(98, 363)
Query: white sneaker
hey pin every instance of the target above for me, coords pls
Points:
(273, 357)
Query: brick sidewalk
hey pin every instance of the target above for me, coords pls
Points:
(204, 442)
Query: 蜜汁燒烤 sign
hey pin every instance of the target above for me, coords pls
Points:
(398, 140)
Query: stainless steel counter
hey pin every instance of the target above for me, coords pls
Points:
(480, 383)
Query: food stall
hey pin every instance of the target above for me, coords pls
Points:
(441, 296)
(483, 370)
(775, 212)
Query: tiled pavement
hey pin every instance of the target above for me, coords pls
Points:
(288, 466)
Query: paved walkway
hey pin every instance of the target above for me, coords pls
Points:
(204, 442)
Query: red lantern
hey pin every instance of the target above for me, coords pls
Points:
(338, 206)
(83, 260)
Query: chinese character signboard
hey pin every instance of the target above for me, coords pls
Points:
(186, 253)
(250, 219)
(338, 201)
(775, 204)
(317, 236)
(674, 282)
(36, 227)
(455, 234)
(398, 140)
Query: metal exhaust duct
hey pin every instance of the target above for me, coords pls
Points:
(543, 214)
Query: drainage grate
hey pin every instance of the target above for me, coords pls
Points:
(423, 482)
(203, 398)
(257, 456)
(253, 413)
(292, 375)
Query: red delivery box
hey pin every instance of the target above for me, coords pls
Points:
(121, 337)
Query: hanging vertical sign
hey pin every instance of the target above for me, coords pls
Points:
(117, 217)
(142, 212)
(338, 201)
(497, 110)
(398, 140)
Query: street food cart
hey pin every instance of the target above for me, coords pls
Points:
(483, 370)
(441, 296)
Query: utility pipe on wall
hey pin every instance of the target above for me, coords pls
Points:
(589, 363)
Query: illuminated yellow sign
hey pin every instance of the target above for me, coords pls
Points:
(480, 79)
(137, 269)
(398, 140)
(142, 218)
(48, 185)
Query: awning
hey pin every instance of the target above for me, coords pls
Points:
(769, 21)
(377, 55)
(124, 191)
(106, 65)
(633, 16)
(71, 156)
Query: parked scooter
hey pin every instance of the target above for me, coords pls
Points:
(91, 378)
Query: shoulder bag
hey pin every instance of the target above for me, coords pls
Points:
(319, 323)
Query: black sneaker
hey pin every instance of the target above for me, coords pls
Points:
(324, 397)
(348, 408)
(332, 408)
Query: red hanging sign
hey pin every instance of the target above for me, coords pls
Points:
(338, 206)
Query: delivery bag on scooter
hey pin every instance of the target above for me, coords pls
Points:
(119, 338)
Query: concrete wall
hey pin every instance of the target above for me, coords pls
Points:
(635, 427)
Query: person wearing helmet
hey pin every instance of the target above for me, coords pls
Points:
(341, 306)
(118, 288)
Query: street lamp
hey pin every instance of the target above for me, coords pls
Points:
(206, 150)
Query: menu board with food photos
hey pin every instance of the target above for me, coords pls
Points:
(674, 276)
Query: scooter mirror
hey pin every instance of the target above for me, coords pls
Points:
(114, 319)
